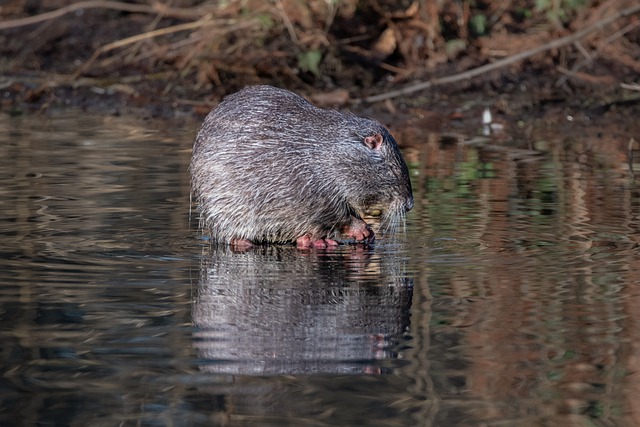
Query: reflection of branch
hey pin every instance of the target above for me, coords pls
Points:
(554, 44)
(100, 4)
(632, 144)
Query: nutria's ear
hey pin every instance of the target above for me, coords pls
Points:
(374, 142)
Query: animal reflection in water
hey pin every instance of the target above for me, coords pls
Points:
(274, 310)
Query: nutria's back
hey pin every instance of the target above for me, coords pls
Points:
(268, 166)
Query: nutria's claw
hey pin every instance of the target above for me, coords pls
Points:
(306, 242)
(366, 236)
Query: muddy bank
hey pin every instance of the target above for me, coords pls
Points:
(181, 57)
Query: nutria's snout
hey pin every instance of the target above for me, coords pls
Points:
(408, 204)
(267, 166)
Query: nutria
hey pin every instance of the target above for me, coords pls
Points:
(267, 166)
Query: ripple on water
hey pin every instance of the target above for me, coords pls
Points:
(510, 300)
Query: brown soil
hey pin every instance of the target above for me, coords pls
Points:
(164, 57)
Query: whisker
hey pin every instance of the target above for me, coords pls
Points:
(393, 221)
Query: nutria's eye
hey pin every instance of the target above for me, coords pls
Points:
(374, 142)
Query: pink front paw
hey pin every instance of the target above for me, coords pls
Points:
(240, 244)
(360, 232)
(306, 242)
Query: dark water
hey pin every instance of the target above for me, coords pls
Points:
(512, 299)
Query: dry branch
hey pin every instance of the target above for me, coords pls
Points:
(207, 21)
(554, 44)
(139, 37)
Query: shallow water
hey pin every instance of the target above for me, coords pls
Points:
(511, 299)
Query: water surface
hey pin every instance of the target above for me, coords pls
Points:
(510, 300)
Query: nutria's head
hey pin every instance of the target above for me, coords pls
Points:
(375, 176)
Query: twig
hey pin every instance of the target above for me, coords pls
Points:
(206, 21)
(583, 50)
(144, 36)
(133, 50)
(101, 4)
(588, 78)
(287, 22)
(56, 80)
(554, 44)
(591, 57)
